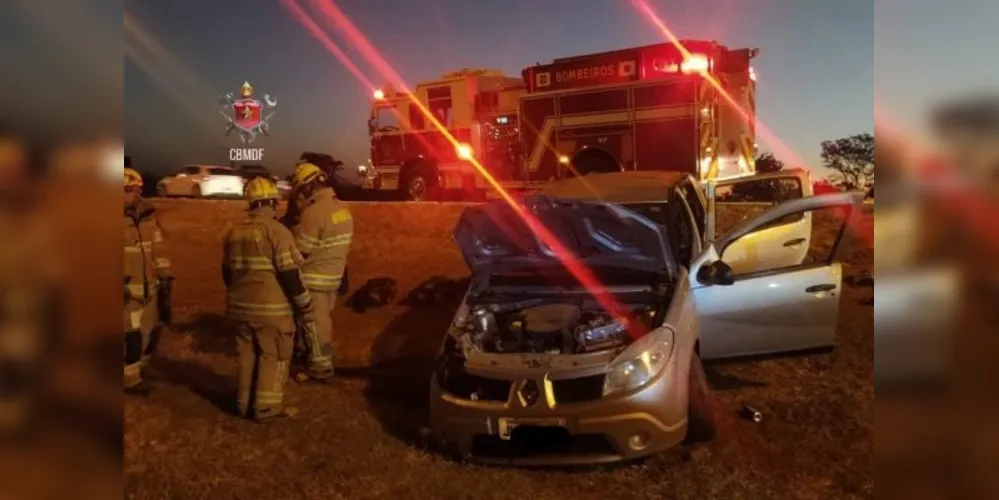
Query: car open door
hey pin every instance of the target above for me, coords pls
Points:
(733, 201)
(774, 309)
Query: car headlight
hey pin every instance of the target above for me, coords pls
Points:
(640, 363)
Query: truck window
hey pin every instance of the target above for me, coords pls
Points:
(388, 120)
(439, 102)
(416, 121)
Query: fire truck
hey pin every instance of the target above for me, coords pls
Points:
(643, 108)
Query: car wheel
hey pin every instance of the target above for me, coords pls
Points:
(161, 191)
(700, 417)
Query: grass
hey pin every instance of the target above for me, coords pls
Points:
(356, 437)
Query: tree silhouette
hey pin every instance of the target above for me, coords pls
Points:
(767, 162)
(853, 160)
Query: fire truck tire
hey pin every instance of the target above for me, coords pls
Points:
(419, 183)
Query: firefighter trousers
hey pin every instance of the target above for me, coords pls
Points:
(142, 332)
(320, 343)
(264, 357)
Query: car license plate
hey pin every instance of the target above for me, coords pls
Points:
(507, 425)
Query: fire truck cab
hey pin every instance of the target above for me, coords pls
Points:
(412, 154)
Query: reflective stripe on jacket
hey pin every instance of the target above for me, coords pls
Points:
(145, 251)
(323, 234)
(254, 251)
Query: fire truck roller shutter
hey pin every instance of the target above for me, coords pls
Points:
(594, 159)
(419, 180)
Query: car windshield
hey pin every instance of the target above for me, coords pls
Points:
(656, 212)
(220, 171)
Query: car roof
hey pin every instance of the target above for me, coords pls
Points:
(618, 187)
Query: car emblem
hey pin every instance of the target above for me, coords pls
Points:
(529, 393)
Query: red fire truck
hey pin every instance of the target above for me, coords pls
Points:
(644, 108)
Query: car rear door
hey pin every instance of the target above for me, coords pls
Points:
(773, 308)
(733, 201)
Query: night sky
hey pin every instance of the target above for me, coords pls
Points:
(815, 69)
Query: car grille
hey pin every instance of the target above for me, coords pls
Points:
(577, 390)
(467, 386)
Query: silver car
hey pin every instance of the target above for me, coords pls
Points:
(538, 368)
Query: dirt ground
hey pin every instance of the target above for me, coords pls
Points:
(356, 438)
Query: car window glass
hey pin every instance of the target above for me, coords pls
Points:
(753, 254)
(656, 212)
(741, 201)
(191, 170)
(220, 171)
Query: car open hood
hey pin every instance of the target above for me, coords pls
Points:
(494, 238)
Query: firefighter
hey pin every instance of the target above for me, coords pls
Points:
(148, 281)
(323, 232)
(266, 297)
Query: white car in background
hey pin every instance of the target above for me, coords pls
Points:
(202, 181)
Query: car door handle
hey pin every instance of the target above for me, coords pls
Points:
(795, 242)
(825, 287)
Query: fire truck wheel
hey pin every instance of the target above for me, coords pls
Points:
(419, 185)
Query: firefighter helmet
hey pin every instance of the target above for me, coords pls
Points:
(260, 189)
(305, 173)
(132, 179)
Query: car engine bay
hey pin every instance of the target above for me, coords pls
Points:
(552, 326)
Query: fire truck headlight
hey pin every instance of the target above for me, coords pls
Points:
(464, 151)
(379, 94)
(563, 159)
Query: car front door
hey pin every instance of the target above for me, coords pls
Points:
(731, 202)
(772, 309)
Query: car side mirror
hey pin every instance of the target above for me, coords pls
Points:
(715, 273)
(372, 123)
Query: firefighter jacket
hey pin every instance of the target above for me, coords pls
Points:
(260, 267)
(145, 254)
(323, 233)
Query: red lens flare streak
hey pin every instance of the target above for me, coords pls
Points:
(583, 274)
(779, 148)
(317, 32)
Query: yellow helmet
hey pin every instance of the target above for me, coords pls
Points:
(304, 174)
(132, 179)
(260, 189)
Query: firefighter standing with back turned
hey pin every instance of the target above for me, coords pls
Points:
(267, 298)
(147, 283)
(323, 232)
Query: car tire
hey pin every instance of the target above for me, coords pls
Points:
(161, 191)
(700, 416)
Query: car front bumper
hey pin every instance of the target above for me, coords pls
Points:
(610, 429)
